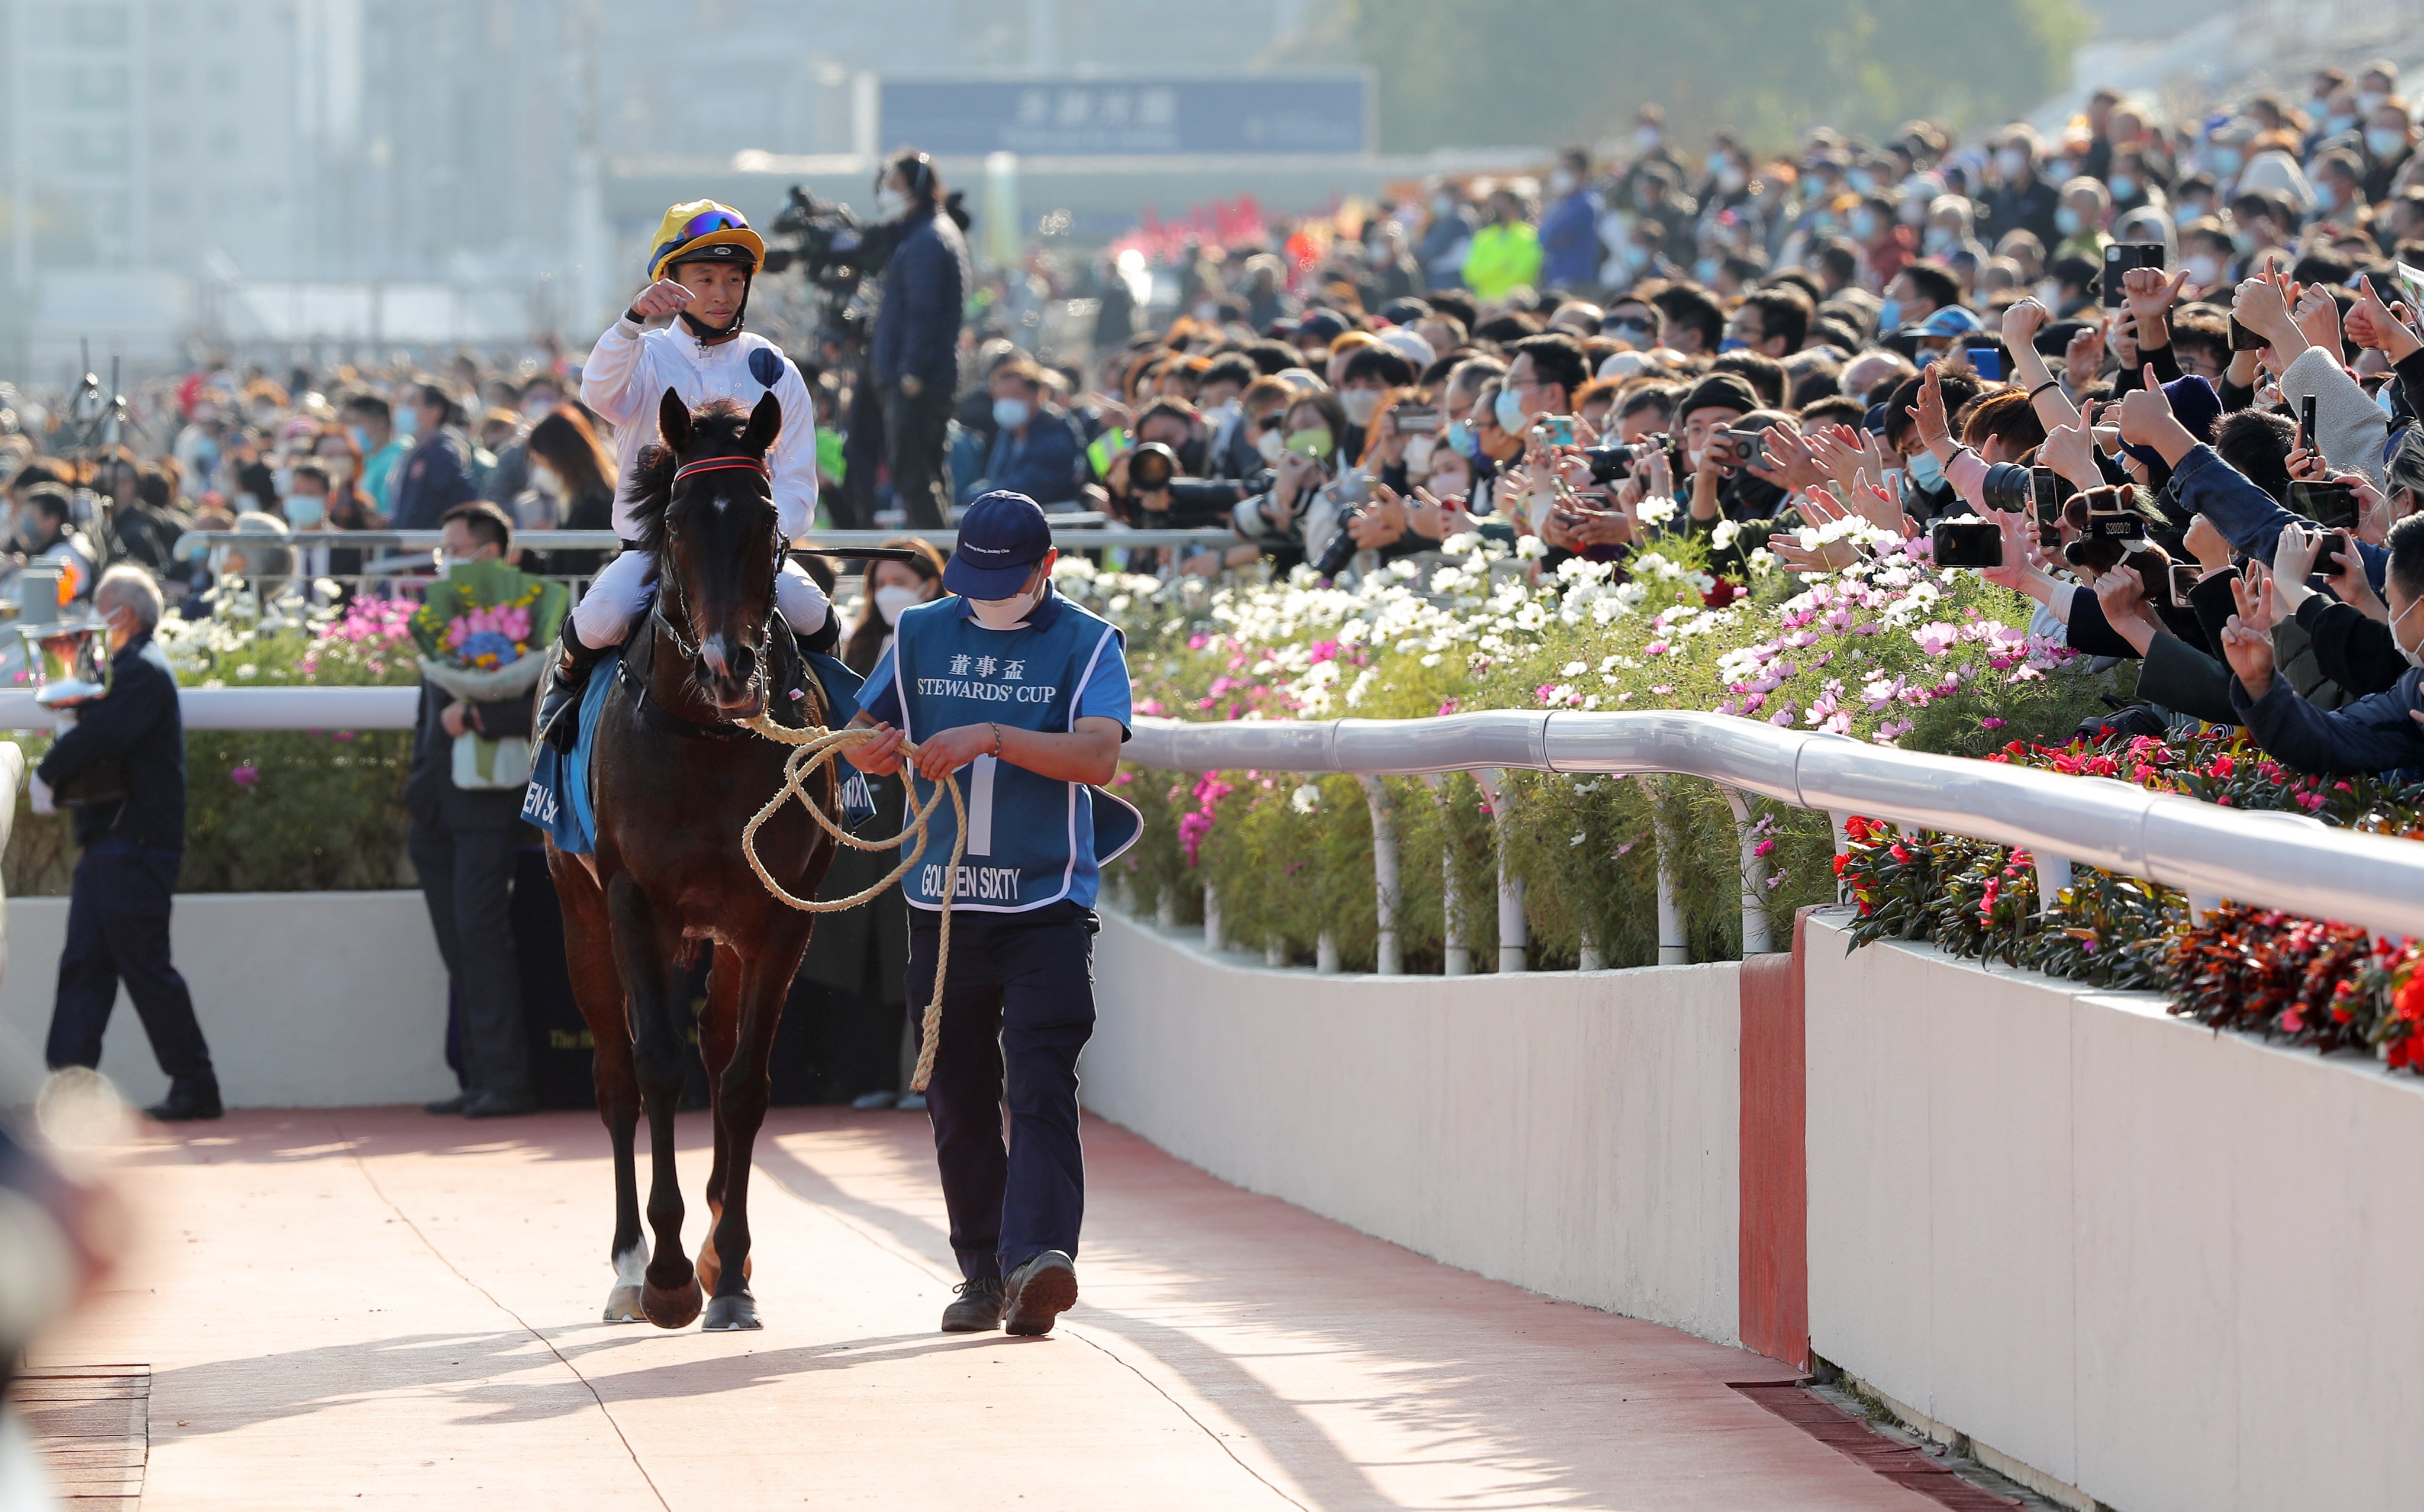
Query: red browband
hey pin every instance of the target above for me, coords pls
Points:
(713, 462)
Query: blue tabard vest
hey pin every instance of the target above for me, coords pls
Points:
(1032, 841)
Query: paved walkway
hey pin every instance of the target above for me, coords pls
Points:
(381, 1308)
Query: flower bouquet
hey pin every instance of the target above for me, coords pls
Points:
(482, 630)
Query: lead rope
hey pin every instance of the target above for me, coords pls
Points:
(815, 747)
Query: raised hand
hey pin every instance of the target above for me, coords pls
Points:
(1929, 411)
(2083, 358)
(2022, 321)
(2149, 296)
(2317, 318)
(2372, 324)
(663, 298)
(2263, 307)
(2147, 411)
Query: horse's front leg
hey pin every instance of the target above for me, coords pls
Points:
(644, 953)
(741, 1108)
(718, 1028)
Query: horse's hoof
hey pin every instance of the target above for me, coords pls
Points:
(730, 1314)
(623, 1305)
(674, 1309)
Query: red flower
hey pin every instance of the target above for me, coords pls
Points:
(1840, 863)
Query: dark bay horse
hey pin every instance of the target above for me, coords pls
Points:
(674, 777)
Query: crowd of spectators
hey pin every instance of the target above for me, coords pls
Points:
(2171, 368)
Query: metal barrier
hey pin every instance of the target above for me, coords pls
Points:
(1086, 533)
(2286, 861)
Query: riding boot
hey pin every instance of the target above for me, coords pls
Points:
(559, 721)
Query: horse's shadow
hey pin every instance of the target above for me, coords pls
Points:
(218, 1398)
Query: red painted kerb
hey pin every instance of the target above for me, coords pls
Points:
(1773, 1285)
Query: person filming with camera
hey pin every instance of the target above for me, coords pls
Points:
(917, 334)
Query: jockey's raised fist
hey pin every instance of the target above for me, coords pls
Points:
(663, 298)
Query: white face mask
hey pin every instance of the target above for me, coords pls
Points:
(1419, 454)
(2011, 162)
(1561, 183)
(891, 599)
(1269, 444)
(1006, 613)
(1359, 403)
(890, 203)
(2414, 656)
(543, 478)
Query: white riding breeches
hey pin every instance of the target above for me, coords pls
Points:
(617, 595)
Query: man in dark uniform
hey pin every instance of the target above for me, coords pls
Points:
(123, 764)
(1027, 695)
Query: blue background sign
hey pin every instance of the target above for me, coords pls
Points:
(1274, 113)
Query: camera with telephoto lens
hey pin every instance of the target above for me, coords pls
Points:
(1192, 503)
(1614, 460)
(2009, 487)
(1354, 488)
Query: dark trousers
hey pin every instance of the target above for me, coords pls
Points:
(1018, 1004)
(117, 931)
(917, 442)
(466, 880)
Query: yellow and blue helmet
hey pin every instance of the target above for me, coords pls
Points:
(704, 232)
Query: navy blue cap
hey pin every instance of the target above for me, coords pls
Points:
(1003, 535)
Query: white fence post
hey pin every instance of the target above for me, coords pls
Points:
(1754, 896)
(1457, 956)
(1390, 951)
(1211, 918)
(1514, 931)
(2053, 875)
(1674, 944)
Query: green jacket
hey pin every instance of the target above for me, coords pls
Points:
(1502, 258)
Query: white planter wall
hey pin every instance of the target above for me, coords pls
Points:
(308, 999)
(2174, 1268)
(1576, 1134)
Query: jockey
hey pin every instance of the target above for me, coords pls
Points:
(683, 332)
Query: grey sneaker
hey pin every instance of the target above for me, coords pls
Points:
(977, 1309)
(1040, 1290)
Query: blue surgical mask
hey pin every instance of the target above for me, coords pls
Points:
(2124, 188)
(1460, 437)
(1509, 412)
(1889, 316)
(1010, 414)
(303, 511)
(2065, 220)
(1926, 473)
(407, 421)
(2386, 142)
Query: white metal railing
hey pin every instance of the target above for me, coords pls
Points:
(2286, 861)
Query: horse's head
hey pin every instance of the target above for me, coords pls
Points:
(718, 542)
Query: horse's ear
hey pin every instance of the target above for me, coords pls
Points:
(765, 423)
(673, 422)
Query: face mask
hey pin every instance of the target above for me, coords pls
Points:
(1418, 454)
(1861, 181)
(543, 478)
(1010, 414)
(2205, 272)
(407, 421)
(538, 406)
(1926, 473)
(2386, 142)
(2370, 102)
(890, 203)
(1636, 255)
(1270, 446)
(362, 438)
(2242, 243)
(2226, 161)
(1732, 180)
(2124, 188)
(1646, 138)
(1005, 614)
(1442, 205)
(449, 561)
(1509, 411)
(1865, 224)
(2415, 657)
(1889, 316)
(1460, 437)
(2188, 215)
(2065, 220)
(281, 478)
(1361, 405)
(1316, 443)
(2049, 295)
(2011, 162)
(1939, 240)
(1912, 212)
(2335, 125)
(303, 511)
(1561, 183)
(891, 600)
(1707, 269)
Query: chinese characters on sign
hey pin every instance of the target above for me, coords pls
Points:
(1271, 114)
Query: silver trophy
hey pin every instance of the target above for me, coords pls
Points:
(68, 658)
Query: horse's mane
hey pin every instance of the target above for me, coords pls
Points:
(717, 428)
